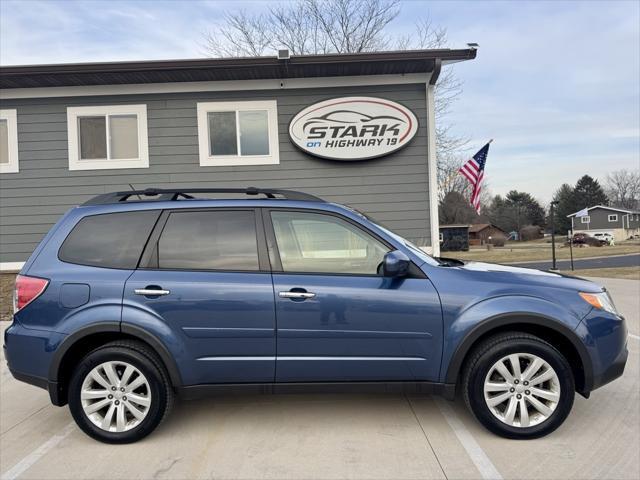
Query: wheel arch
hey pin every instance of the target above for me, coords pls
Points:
(74, 347)
(548, 329)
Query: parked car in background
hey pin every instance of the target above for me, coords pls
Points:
(135, 297)
(605, 237)
(582, 239)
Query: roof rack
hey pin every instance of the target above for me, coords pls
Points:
(186, 193)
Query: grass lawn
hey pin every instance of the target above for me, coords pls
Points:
(625, 273)
(525, 251)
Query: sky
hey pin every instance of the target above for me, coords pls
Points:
(555, 84)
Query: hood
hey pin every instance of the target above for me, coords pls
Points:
(531, 275)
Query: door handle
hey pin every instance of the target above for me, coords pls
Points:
(298, 295)
(151, 292)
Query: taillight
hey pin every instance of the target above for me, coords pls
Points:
(27, 290)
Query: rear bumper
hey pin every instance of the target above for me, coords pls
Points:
(29, 353)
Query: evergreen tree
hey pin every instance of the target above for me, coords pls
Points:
(588, 193)
(516, 210)
(566, 206)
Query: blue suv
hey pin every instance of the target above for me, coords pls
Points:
(137, 297)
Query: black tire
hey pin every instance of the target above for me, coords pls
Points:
(481, 360)
(147, 362)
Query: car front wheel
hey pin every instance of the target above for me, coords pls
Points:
(120, 393)
(518, 386)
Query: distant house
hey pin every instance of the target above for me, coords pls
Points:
(622, 224)
(454, 238)
(480, 233)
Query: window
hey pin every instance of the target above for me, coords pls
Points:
(585, 219)
(238, 133)
(313, 242)
(105, 137)
(113, 240)
(208, 240)
(8, 141)
(613, 218)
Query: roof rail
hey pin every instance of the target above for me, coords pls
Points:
(186, 193)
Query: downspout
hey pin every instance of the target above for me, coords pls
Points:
(432, 161)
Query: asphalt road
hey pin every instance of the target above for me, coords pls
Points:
(332, 436)
(579, 264)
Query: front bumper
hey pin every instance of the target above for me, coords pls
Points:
(605, 338)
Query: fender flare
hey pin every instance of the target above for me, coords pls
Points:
(505, 319)
(114, 327)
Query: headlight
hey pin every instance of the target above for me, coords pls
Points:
(602, 301)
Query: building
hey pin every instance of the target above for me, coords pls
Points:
(353, 128)
(622, 224)
(482, 233)
(454, 238)
(462, 236)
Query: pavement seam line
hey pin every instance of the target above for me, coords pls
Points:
(24, 419)
(425, 436)
(31, 459)
(635, 337)
(487, 469)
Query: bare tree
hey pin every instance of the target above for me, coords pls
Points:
(306, 27)
(623, 188)
(342, 26)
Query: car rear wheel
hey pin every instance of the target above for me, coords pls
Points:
(518, 386)
(120, 393)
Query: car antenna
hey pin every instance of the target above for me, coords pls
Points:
(131, 186)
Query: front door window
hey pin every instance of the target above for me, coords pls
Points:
(318, 243)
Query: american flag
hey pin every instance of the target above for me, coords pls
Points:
(473, 170)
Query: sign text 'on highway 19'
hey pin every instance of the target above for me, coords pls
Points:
(353, 128)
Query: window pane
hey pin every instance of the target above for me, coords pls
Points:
(254, 133)
(93, 137)
(209, 241)
(124, 136)
(4, 142)
(310, 242)
(222, 133)
(113, 240)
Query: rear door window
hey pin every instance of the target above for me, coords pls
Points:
(209, 240)
(112, 240)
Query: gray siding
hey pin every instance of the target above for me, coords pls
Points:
(392, 189)
(599, 220)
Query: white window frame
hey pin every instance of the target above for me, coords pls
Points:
(585, 219)
(612, 217)
(207, 160)
(75, 163)
(11, 116)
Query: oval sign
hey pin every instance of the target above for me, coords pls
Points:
(353, 128)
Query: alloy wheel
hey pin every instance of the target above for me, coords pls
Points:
(115, 396)
(522, 390)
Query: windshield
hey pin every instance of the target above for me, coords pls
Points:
(414, 248)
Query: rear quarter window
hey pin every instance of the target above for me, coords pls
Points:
(111, 240)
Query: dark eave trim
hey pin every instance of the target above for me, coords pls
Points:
(249, 68)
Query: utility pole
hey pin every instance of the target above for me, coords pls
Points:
(553, 234)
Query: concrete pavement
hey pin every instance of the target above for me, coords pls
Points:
(332, 436)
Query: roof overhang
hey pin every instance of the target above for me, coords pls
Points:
(604, 207)
(231, 69)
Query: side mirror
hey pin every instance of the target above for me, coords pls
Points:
(395, 264)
